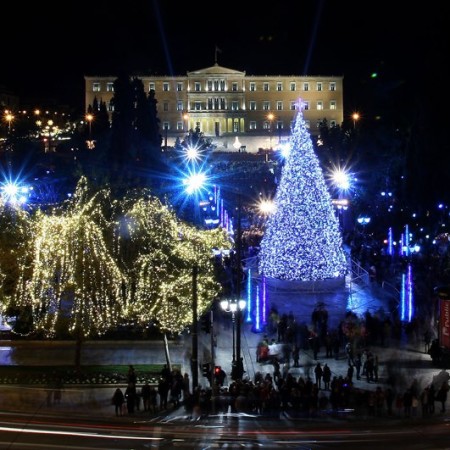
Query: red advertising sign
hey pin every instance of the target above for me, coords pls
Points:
(444, 323)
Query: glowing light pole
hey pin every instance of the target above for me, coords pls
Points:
(355, 117)
(235, 307)
(270, 118)
(9, 118)
(185, 121)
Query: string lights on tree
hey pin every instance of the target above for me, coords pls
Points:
(302, 241)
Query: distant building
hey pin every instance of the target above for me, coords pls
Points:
(238, 111)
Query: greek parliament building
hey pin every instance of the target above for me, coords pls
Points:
(237, 111)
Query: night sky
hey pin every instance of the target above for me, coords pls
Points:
(47, 50)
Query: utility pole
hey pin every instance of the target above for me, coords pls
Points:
(238, 289)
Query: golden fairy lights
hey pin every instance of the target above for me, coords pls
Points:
(94, 262)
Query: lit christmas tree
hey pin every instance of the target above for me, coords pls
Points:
(302, 241)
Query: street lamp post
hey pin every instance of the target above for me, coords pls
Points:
(270, 118)
(235, 307)
(194, 360)
(89, 119)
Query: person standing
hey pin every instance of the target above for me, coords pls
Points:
(296, 355)
(145, 394)
(130, 397)
(118, 400)
(441, 395)
(326, 375)
(318, 371)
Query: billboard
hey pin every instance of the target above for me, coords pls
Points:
(444, 323)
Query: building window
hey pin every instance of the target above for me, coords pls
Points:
(332, 86)
(279, 125)
(307, 124)
(266, 125)
(110, 106)
(198, 106)
(266, 106)
(222, 85)
(319, 86)
(319, 105)
(333, 104)
(180, 126)
(306, 86)
(266, 87)
(179, 87)
(252, 87)
(166, 87)
(292, 87)
(293, 106)
(109, 87)
(305, 106)
(166, 125)
(180, 106)
(234, 106)
(279, 106)
(234, 87)
(252, 125)
(151, 86)
(279, 86)
(166, 106)
(96, 87)
(197, 86)
(252, 106)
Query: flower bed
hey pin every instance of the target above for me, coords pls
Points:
(91, 375)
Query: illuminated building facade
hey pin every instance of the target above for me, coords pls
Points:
(227, 104)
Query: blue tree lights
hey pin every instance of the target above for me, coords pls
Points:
(302, 241)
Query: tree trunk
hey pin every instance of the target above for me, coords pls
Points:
(79, 342)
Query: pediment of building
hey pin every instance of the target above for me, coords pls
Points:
(215, 70)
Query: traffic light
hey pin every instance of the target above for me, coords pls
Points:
(206, 370)
(217, 370)
(206, 324)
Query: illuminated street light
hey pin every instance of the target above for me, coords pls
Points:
(355, 117)
(363, 220)
(341, 179)
(270, 118)
(266, 207)
(185, 121)
(194, 182)
(89, 119)
(9, 118)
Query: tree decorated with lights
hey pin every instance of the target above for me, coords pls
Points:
(162, 252)
(15, 238)
(302, 241)
(74, 284)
